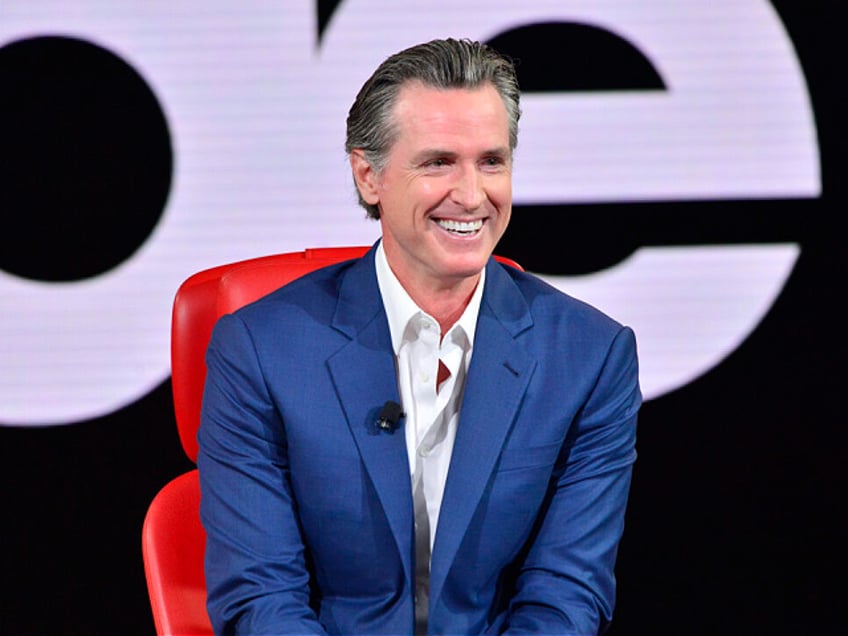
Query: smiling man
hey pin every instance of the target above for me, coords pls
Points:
(444, 196)
(495, 502)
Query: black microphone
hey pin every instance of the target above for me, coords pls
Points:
(389, 416)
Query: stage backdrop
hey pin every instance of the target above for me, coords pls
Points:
(680, 166)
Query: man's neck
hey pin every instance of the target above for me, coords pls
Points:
(444, 303)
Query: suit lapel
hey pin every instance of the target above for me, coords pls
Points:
(497, 380)
(364, 376)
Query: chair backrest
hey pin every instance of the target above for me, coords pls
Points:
(211, 293)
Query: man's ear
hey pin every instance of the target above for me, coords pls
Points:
(365, 176)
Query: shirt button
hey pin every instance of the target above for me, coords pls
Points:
(424, 451)
(424, 378)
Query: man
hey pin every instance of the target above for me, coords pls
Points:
(495, 503)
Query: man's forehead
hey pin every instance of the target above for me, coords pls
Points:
(419, 86)
(418, 103)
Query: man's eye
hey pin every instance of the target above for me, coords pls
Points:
(437, 163)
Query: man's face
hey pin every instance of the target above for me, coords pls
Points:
(445, 194)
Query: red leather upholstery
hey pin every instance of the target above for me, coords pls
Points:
(172, 543)
(172, 538)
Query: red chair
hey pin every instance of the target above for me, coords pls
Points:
(173, 538)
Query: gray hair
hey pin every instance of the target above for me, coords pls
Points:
(441, 64)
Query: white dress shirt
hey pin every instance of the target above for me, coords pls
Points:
(431, 412)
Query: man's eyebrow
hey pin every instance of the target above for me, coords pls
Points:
(436, 153)
(433, 153)
(501, 151)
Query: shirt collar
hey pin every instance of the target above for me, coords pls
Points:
(401, 309)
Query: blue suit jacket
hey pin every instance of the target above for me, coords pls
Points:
(308, 506)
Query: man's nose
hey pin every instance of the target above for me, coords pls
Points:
(468, 189)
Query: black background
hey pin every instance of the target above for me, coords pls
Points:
(736, 522)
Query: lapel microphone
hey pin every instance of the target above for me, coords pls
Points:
(389, 416)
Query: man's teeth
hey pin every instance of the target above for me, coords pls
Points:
(461, 227)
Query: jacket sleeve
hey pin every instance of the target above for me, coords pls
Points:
(566, 583)
(256, 573)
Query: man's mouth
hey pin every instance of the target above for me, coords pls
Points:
(461, 228)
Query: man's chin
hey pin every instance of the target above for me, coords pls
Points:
(466, 268)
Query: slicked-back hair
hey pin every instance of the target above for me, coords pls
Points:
(440, 64)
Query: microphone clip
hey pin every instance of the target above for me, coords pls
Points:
(389, 416)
